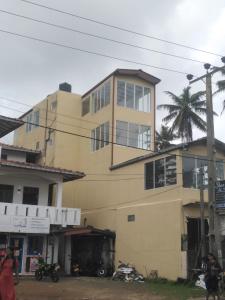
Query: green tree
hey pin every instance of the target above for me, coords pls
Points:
(221, 88)
(164, 137)
(184, 113)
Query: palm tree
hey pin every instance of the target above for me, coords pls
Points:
(164, 137)
(221, 88)
(185, 113)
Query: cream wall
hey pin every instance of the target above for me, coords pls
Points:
(107, 197)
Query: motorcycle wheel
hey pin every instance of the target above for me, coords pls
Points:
(38, 275)
(55, 276)
(101, 273)
(118, 276)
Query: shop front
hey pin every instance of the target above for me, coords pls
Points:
(28, 248)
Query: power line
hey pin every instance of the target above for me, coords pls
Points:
(102, 140)
(100, 37)
(63, 123)
(75, 134)
(90, 52)
(121, 28)
(132, 201)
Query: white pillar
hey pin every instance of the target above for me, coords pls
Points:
(59, 189)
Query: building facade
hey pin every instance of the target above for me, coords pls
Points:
(31, 211)
(149, 200)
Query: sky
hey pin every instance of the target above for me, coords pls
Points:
(30, 70)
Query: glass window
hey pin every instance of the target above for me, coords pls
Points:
(121, 93)
(102, 96)
(53, 106)
(121, 133)
(133, 96)
(85, 106)
(97, 137)
(94, 102)
(189, 179)
(36, 118)
(107, 92)
(106, 133)
(129, 95)
(219, 170)
(138, 97)
(35, 245)
(146, 100)
(149, 175)
(144, 137)
(100, 137)
(93, 142)
(133, 134)
(30, 195)
(29, 123)
(6, 193)
(159, 173)
(102, 129)
(193, 169)
(171, 170)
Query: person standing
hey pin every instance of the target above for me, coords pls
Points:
(8, 265)
(212, 272)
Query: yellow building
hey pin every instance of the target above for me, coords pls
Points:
(150, 200)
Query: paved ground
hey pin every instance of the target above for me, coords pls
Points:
(82, 289)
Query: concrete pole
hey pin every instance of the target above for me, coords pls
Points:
(202, 215)
(214, 232)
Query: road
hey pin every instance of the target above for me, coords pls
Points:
(82, 289)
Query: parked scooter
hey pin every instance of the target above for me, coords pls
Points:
(47, 270)
(127, 273)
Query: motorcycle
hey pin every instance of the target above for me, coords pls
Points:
(47, 270)
(127, 273)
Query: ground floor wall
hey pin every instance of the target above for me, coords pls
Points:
(148, 235)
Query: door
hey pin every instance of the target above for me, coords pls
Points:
(17, 243)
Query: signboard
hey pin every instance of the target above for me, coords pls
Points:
(24, 224)
(220, 194)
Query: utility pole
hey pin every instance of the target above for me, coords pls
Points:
(202, 214)
(214, 232)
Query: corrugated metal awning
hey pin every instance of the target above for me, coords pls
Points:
(7, 125)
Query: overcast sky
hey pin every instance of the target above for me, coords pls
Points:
(31, 70)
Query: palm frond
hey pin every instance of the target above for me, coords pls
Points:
(169, 107)
(175, 98)
(198, 122)
(170, 117)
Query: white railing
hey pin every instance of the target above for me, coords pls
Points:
(56, 215)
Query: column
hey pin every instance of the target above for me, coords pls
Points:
(59, 189)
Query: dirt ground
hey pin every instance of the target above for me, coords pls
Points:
(82, 289)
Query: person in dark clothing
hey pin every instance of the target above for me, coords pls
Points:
(212, 273)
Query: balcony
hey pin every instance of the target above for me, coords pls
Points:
(35, 218)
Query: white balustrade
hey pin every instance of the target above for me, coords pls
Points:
(56, 215)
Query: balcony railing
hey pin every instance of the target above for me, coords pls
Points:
(19, 214)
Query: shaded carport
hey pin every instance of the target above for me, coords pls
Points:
(92, 249)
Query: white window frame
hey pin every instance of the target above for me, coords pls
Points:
(105, 127)
(134, 102)
(140, 134)
(97, 105)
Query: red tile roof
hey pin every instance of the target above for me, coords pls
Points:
(18, 148)
(68, 175)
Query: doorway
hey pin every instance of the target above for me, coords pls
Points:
(17, 243)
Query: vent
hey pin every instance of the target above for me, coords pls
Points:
(66, 87)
